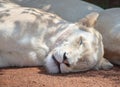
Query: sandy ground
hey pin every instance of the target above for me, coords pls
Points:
(37, 77)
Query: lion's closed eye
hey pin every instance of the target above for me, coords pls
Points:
(81, 41)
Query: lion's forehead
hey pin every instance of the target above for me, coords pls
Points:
(84, 34)
(88, 36)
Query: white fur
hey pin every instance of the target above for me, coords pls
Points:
(31, 37)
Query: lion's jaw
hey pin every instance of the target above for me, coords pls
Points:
(75, 54)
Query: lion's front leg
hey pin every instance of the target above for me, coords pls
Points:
(104, 64)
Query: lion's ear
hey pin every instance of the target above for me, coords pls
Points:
(89, 20)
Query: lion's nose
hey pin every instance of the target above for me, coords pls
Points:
(65, 60)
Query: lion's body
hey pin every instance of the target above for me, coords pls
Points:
(25, 34)
(29, 36)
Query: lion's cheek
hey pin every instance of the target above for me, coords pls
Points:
(64, 68)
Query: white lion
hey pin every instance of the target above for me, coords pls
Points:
(109, 26)
(32, 37)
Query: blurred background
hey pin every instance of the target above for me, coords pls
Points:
(105, 3)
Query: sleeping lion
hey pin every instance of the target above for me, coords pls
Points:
(32, 37)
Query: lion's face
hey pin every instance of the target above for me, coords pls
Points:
(81, 49)
(74, 54)
(78, 51)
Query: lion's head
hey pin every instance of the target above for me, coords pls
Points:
(81, 49)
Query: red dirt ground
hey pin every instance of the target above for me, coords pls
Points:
(37, 77)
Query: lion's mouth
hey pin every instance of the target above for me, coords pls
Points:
(57, 63)
(65, 61)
